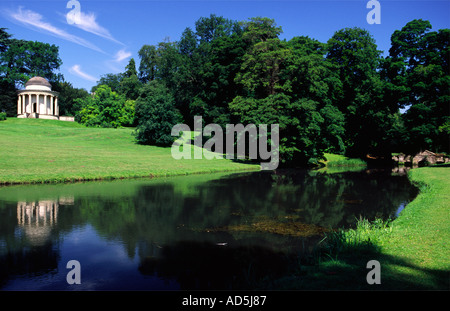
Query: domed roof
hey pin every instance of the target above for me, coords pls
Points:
(38, 81)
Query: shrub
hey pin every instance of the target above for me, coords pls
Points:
(105, 109)
(2, 116)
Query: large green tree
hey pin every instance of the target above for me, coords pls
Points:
(418, 80)
(355, 57)
(148, 63)
(290, 84)
(261, 65)
(25, 59)
(156, 115)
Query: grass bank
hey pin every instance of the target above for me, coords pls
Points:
(336, 163)
(412, 250)
(49, 151)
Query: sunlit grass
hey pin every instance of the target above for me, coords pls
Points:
(41, 151)
(336, 160)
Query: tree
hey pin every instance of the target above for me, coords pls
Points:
(125, 83)
(301, 125)
(130, 84)
(148, 63)
(8, 98)
(156, 115)
(110, 79)
(417, 78)
(354, 55)
(261, 67)
(67, 97)
(5, 40)
(209, 28)
(260, 29)
(26, 59)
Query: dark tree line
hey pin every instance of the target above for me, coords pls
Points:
(341, 96)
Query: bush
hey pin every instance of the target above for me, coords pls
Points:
(105, 109)
(2, 116)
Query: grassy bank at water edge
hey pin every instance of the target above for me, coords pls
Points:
(412, 250)
(41, 151)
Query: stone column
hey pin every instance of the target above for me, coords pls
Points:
(38, 103)
(56, 106)
(45, 104)
(29, 103)
(19, 105)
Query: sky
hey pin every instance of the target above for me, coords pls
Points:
(106, 34)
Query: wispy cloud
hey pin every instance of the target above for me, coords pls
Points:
(121, 55)
(87, 22)
(115, 63)
(35, 20)
(76, 70)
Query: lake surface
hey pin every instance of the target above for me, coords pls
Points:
(213, 231)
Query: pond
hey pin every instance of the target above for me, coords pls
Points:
(212, 231)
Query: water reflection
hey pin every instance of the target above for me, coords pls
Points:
(202, 231)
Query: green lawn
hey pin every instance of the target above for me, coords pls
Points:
(37, 151)
(421, 234)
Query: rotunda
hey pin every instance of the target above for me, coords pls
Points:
(38, 100)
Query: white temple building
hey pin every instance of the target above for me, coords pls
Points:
(38, 100)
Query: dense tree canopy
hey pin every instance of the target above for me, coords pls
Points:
(341, 96)
(417, 72)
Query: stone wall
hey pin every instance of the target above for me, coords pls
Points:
(425, 156)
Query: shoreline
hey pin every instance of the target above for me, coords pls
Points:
(412, 249)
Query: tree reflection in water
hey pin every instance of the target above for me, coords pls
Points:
(205, 232)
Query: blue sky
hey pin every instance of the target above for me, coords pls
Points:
(110, 32)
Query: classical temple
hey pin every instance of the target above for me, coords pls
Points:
(38, 100)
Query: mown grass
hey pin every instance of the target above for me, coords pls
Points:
(49, 151)
(412, 250)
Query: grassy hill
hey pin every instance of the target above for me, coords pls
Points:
(38, 151)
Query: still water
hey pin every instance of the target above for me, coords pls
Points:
(215, 231)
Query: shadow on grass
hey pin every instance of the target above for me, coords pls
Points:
(349, 272)
(205, 266)
(440, 165)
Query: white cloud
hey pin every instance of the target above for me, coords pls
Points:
(35, 20)
(87, 22)
(121, 55)
(76, 70)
